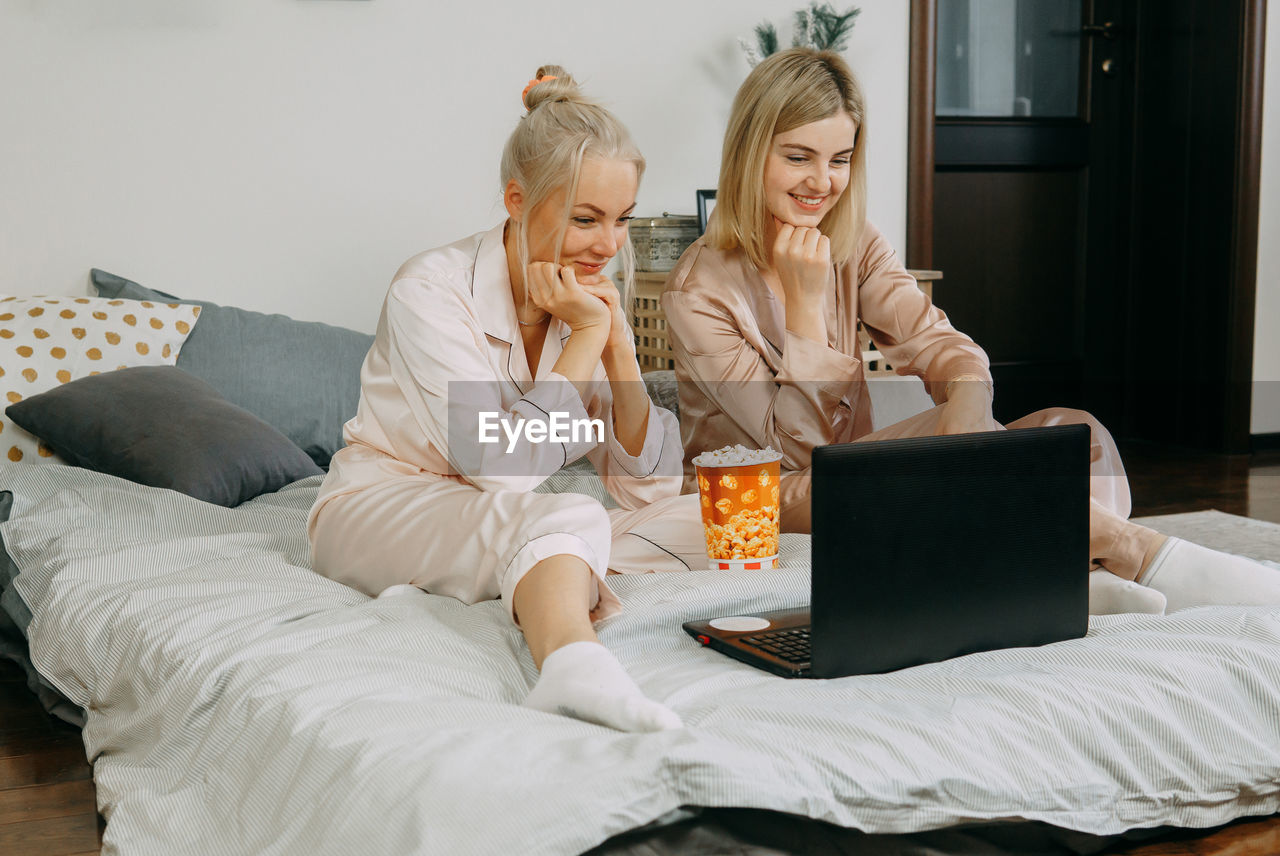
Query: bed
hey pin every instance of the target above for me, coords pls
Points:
(234, 701)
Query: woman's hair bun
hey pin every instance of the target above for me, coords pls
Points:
(562, 88)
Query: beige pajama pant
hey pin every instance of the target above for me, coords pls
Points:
(1114, 542)
(451, 538)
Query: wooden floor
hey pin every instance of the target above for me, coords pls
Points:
(47, 805)
(1168, 481)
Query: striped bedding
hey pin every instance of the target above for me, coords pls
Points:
(238, 703)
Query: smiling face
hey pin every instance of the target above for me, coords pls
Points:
(598, 220)
(807, 169)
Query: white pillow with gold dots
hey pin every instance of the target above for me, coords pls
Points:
(46, 341)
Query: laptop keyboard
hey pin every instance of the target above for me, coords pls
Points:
(791, 644)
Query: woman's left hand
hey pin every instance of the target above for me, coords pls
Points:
(620, 335)
(968, 410)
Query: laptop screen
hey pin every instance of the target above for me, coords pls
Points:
(928, 548)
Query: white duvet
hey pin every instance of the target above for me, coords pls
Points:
(238, 703)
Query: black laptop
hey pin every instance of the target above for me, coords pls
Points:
(929, 548)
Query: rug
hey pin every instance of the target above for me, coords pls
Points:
(1231, 533)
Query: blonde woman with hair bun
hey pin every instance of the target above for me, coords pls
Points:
(477, 342)
(763, 314)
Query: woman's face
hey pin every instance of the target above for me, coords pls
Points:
(807, 169)
(598, 219)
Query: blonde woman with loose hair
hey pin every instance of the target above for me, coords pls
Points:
(795, 89)
(480, 343)
(763, 313)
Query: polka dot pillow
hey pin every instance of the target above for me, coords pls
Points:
(48, 341)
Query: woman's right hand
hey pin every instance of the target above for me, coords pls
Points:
(802, 258)
(555, 289)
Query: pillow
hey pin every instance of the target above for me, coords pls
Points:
(662, 388)
(159, 426)
(303, 377)
(47, 341)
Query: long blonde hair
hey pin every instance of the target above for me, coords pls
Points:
(787, 90)
(545, 152)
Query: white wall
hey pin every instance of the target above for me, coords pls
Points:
(1266, 342)
(287, 155)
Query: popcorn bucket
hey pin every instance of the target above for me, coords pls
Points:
(738, 493)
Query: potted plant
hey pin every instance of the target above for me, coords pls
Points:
(817, 26)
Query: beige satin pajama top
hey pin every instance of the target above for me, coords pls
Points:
(744, 378)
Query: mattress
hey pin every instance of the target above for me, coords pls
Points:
(237, 702)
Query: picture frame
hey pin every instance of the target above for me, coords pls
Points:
(706, 204)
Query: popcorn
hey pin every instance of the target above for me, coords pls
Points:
(749, 534)
(737, 456)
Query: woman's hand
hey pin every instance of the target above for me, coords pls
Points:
(968, 409)
(620, 335)
(802, 258)
(556, 289)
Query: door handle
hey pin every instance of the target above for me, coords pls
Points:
(1107, 30)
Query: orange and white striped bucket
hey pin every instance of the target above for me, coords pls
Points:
(741, 514)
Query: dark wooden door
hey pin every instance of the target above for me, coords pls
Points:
(1093, 169)
(1015, 115)
(1197, 114)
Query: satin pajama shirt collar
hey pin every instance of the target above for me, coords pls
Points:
(491, 288)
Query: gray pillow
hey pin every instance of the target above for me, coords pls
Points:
(302, 377)
(160, 426)
(662, 388)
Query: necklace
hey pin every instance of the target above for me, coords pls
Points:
(537, 323)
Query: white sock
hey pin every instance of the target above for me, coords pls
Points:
(400, 590)
(585, 681)
(1190, 575)
(1110, 595)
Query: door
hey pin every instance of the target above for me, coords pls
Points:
(1091, 200)
(1012, 195)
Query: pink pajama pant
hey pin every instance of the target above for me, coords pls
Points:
(451, 538)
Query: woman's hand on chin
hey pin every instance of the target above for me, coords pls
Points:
(802, 258)
(556, 289)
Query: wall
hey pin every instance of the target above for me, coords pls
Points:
(1266, 343)
(287, 155)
